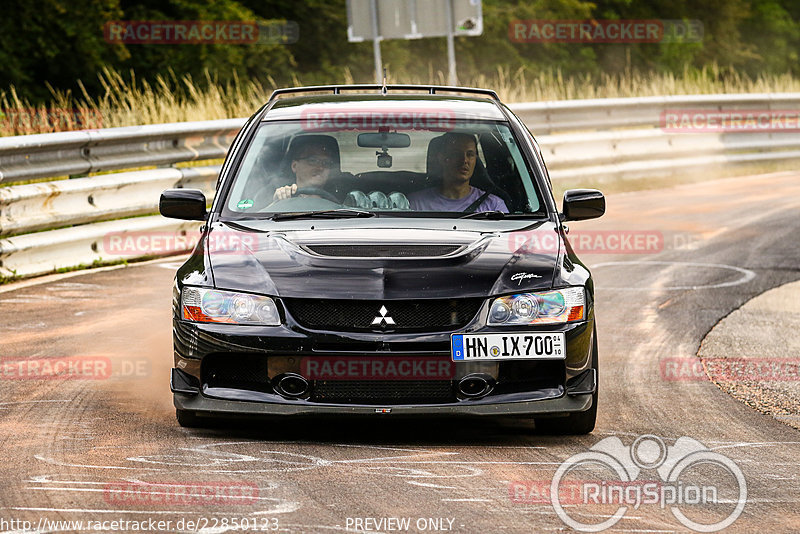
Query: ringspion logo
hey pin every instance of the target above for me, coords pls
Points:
(689, 476)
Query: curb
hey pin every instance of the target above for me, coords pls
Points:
(754, 353)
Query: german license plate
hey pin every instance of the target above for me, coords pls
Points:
(516, 346)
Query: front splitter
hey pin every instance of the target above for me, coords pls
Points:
(211, 406)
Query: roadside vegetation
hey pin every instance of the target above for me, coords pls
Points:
(125, 100)
(63, 70)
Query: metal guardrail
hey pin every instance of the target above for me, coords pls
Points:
(67, 223)
(610, 113)
(89, 151)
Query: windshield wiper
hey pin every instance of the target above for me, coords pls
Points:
(343, 213)
(493, 214)
(497, 215)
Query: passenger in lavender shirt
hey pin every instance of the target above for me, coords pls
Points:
(458, 162)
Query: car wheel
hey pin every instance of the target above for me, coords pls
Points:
(187, 419)
(575, 423)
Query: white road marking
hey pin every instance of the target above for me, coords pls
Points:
(747, 274)
(391, 458)
(214, 530)
(101, 511)
(472, 462)
(137, 492)
(429, 485)
(467, 500)
(26, 326)
(4, 404)
(327, 527)
(753, 444)
(88, 466)
(34, 401)
(172, 266)
(404, 472)
(70, 286)
(45, 479)
(285, 508)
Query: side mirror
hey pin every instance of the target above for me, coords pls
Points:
(581, 204)
(188, 204)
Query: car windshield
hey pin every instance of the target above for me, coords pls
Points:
(475, 170)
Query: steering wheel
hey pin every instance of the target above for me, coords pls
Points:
(318, 191)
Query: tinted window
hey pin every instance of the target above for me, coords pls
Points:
(404, 172)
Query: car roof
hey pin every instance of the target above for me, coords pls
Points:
(426, 104)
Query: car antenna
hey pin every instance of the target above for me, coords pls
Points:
(383, 89)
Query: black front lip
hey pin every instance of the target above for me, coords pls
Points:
(205, 405)
(257, 396)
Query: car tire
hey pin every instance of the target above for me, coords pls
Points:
(575, 423)
(187, 419)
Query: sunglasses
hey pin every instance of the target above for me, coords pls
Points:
(319, 162)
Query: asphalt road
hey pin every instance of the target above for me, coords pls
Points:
(109, 448)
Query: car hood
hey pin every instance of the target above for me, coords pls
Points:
(383, 263)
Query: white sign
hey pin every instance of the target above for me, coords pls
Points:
(412, 19)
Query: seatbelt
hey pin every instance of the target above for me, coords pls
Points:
(475, 205)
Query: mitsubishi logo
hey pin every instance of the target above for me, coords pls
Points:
(382, 320)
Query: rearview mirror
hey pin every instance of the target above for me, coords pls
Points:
(187, 204)
(384, 140)
(582, 204)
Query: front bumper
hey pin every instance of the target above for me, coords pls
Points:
(215, 365)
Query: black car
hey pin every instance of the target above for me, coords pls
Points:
(385, 251)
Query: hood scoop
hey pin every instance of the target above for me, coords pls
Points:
(384, 250)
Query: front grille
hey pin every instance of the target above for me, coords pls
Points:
(382, 391)
(383, 251)
(407, 315)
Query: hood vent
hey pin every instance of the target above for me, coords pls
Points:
(383, 251)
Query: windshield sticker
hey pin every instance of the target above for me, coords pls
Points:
(245, 204)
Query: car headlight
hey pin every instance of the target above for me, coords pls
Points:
(548, 307)
(215, 306)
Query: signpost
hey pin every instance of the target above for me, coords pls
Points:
(377, 20)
